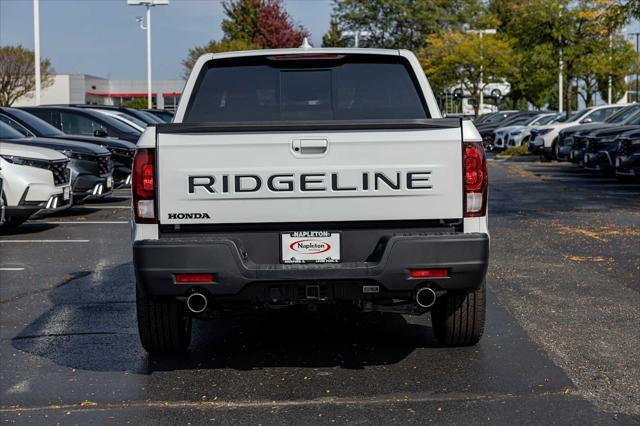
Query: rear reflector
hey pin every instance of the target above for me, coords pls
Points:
(429, 273)
(145, 209)
(194, 278)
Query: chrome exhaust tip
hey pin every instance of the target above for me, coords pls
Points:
(197, 303)
(426, 297)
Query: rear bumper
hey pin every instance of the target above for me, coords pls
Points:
(157, 261)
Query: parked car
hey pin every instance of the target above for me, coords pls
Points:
(565, 137)
(628, 155)
(487, 130)
(544, 139)
(31, 126)
(140, 116)
(91, 165)
(599, 151)
(579, 139)
(2, 204)
(493, 117)
(514, 134)
(127, 119)
(33, 180)
(163, 114)
(81, 121)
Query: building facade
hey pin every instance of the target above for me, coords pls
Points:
(89, 89)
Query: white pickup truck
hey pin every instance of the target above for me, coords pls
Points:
(309, 176)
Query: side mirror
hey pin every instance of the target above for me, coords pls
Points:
(587, 120)
(100, 133)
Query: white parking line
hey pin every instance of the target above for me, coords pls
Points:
(81, 222)
(11, 269)
(104, 207)
(44, 241)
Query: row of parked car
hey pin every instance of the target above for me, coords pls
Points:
(603, 139)
(54, 156)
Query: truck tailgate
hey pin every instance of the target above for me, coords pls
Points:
(220, 177)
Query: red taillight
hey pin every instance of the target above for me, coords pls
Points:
(305, 56)
(429, 273)
(143, 185)
(475, 180)
(194, 278)
(147, 177)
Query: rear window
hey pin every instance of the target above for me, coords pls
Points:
(361, 87)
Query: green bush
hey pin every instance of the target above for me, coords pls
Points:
(137, 103)
(519, 150)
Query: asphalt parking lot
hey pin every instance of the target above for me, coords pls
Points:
(561, 344)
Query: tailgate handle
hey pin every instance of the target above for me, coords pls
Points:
(310, 146)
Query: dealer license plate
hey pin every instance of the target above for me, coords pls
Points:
(310, 247)
(66, 193)
(109, 182)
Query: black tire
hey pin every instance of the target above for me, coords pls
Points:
(550, 154)
(164, 325)
(555, 149)
(458, 317)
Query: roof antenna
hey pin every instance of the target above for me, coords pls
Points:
(305, 44)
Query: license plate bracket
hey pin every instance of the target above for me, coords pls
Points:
(310, 247)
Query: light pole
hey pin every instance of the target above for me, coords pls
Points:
(356, 36)
(560, 82)
(610, 82)
(36, 43)
(560, 74)
(481, 33)
(637, 49)
(148, 4)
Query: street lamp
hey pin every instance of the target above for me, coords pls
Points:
(148, 4)
(357, 35)
(481, 33)
(36, 46)
(637, 35)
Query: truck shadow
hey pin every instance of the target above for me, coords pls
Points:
(90, 324)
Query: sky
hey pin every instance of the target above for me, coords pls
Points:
(102, 37)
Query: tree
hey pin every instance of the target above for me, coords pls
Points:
(137, 103)
(453, 58)
(333, 37)
(399, 24)
(620, 12)
(276, 29)
(17, 77)
(251, 24)
(616, 60)
(264, 23)
(214, 47)
(612, 55)
(541, 29)
(241, 22)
